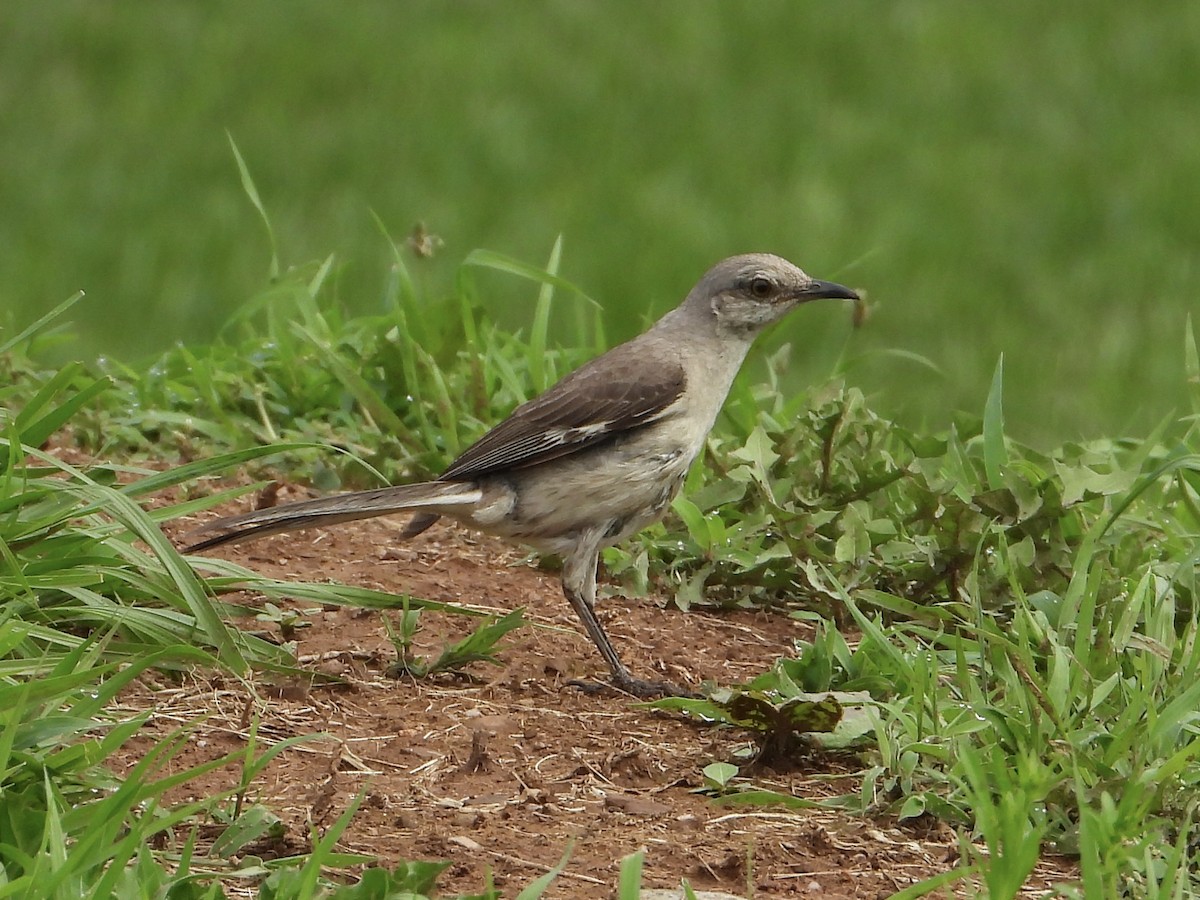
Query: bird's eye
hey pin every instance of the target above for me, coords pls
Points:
(761, 287)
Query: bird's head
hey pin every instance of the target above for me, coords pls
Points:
(747, 293)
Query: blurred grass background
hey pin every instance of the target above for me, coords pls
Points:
(1019, 178)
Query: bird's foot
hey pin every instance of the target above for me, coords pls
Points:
(643, 690)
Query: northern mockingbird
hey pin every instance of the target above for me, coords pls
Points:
(598, 456)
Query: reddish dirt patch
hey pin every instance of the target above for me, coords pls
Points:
(503, 774)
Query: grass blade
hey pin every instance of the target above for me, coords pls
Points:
(995, 456)
(541, 322)
(30, 330)
(252, 193)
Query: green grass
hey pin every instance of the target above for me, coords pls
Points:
(1028, 625)
(1015, 179)
(92, 594)
(1006, 636)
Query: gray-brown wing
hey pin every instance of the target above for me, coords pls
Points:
(613, 393)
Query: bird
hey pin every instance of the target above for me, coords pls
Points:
(599, 455)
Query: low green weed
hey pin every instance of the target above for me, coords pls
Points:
(1025, 623)
(478, 646)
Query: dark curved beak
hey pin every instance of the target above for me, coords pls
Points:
(820, 290)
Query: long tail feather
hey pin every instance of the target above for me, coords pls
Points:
(431, 496)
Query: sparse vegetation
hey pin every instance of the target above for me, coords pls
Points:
(1001, 635)
(1015, 631)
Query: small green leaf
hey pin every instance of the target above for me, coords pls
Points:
(719, 774)
(913, 806)
(694, 519)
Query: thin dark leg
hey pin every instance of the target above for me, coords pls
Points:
(579, 586)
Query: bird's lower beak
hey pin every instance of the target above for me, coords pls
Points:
(819, 290)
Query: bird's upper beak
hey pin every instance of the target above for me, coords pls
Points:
(818, 290)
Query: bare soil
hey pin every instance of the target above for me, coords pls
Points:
(502, 772)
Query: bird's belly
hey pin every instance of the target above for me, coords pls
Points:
(619, 487)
